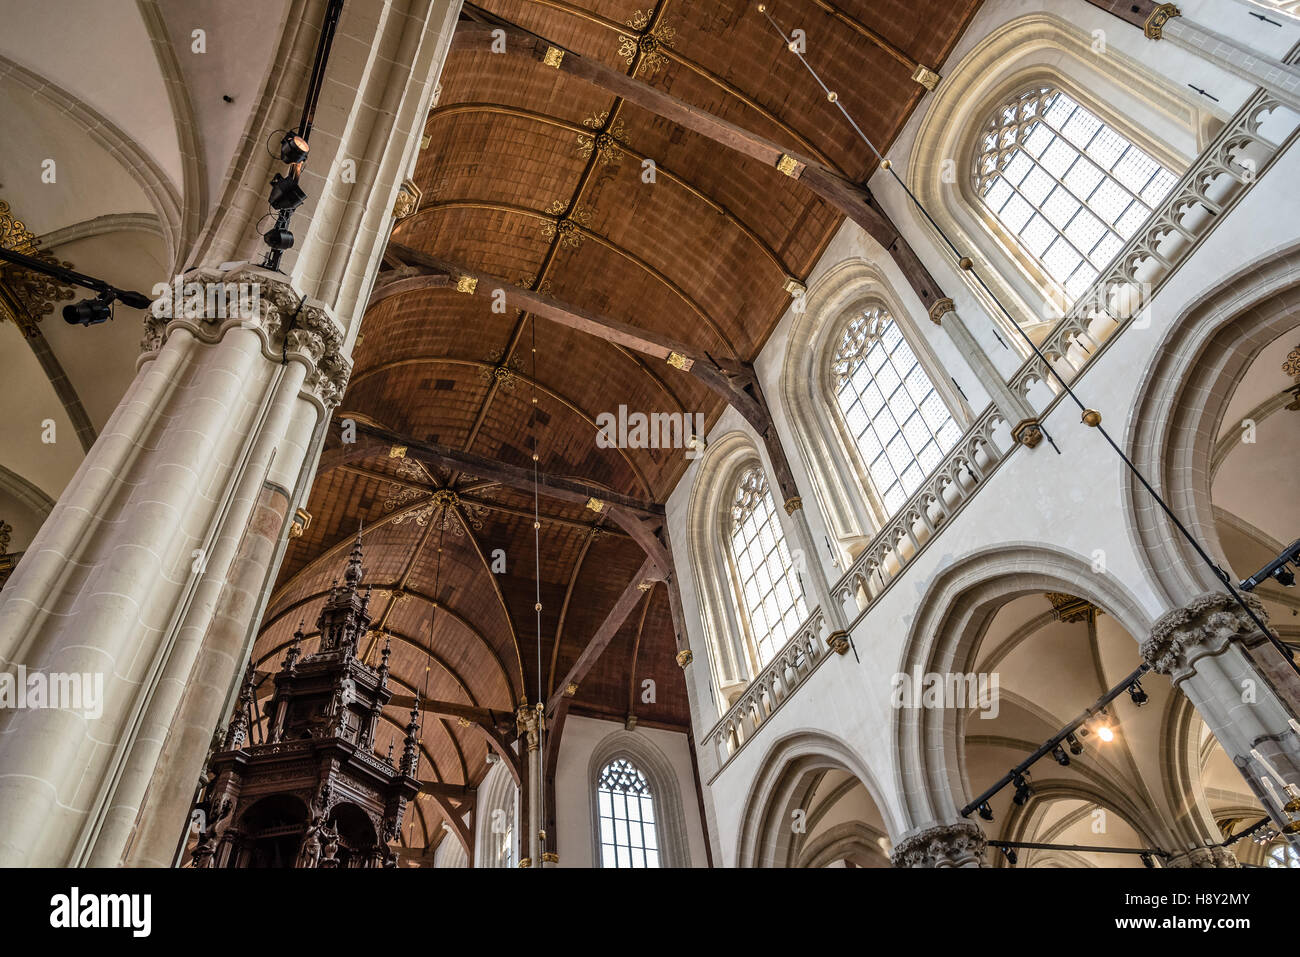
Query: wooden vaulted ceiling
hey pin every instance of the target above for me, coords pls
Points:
(518, 183)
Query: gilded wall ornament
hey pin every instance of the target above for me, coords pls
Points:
(1162, 14)
(26, 297)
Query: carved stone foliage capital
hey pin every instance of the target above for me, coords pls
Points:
(208, 302)
(958, 844)
(1204, 626)
(1204, 857)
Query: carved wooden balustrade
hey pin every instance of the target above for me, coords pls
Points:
(1211, 187)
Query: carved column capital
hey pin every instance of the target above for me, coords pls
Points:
(1204, 857)
(530, 723)
(1204, 626)
(940, 309)
(957, 844)
(208, 302)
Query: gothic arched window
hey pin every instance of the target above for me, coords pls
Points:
(626, 812)
(898, 422)
(767, 586)
(1068, 186)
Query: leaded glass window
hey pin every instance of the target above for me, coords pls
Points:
(1069, 187)
(628, 836)
(768, 587)
(897, 420)
(1283, 855)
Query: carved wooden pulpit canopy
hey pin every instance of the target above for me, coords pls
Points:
(313, 792)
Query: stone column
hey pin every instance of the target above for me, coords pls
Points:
(1241, 687)
(1164, 21)
(956, 844)
(529, 722)
(140, 557)
(152, 569)
(1019, 414)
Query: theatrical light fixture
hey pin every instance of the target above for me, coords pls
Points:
(293, 148)
(91, 312)
(1276, 569)
(1010, 854)
(1147, 860)
(278, 238)
(986, 812)
(1136, 693)
(1023, 790)
(1076, 746)
(1105, 733)
(1062, 758)
(286, 194)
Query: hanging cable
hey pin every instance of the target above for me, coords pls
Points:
(967, 264)
(428, 660)
(537, 580)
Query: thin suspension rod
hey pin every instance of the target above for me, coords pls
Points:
(1036, 846)
(967, 263)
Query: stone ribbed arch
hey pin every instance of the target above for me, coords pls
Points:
(1028, 49)
(720, 468)
(1178, 412)
(766, 838)
(665, 790)
(1024, 823)
(953, 616)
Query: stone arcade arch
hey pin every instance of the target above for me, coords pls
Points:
(1178, 413)
(780, 787)
(957, 607)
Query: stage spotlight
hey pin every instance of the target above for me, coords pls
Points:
(1062, 758)
(278, 238)
(1284, 576)
(1023, 790)
(286, 193)
(1105, 733)
(1010, 854)
(293, 148)
(986, 812)
(1076, 746)
(1147, 860)
(1139, 696)
(90, 312)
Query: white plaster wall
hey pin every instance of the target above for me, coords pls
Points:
(574, 793)
(1071, 499)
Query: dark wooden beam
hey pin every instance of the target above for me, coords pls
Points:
(503, 722)
(557, 487)
(735, 382)
(852, 199)
(441, 273)
(453, 792)
(633, 594)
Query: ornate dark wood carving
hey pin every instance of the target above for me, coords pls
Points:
(313, 792)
